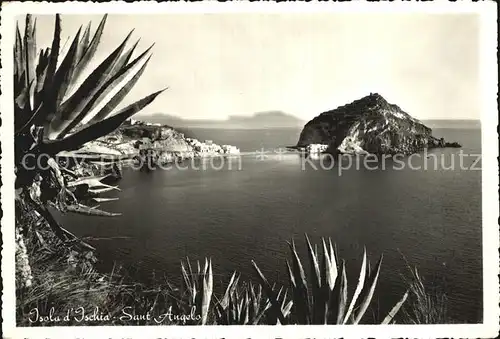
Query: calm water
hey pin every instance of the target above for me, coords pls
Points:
(432, 217)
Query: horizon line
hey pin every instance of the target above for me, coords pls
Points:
(289, 114)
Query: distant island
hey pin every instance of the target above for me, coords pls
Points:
(260, 120)
(369, 125)
(453, 123)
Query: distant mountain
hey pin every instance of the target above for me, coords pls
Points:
(261, 120)
(372, 125)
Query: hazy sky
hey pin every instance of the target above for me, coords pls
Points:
(217, 65)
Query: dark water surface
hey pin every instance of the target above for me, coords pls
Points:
(432, 217)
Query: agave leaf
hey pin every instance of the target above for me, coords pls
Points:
(230, 312)
(22, 109)
(66, 69)
(318, 300)
(367, 292)
(91, 181)
(41, 73)
(329, 277)
(261, 313)
(19, 84)
(275, 305)
(298, 297)
(343, 294)
(30, 51)
(99, 129)
(283, 302)
(338, 300)
(206, 292)
(82, 47)
(278, 295)
(104, 199)
(86, 210)
(330, 267)
(301, 296)
(229, 289)
(325, 266)
(23, 103)
(103, 190)
(22, 126)
(19, 56)
(186, 277)
(191, 274)
(122, 61)
(59, 84)
(287, 308)
(245, 310)
(105, 186)
(54, 52)
(85, 40)
(73, 106)
(50, 106)
(33, 31)
(254, 301)
(359, 287)
(63, 51)
(392, 313)
(333, 256)
(91, 49)
(120, 87)
(73, 80)
(125, 58)
(110, 89)
(201, 274)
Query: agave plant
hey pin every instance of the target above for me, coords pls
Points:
(246, 305)
(59, 107)
(199, 287)
(324, 298)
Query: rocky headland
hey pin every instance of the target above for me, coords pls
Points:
(370, 125)
(140, 141)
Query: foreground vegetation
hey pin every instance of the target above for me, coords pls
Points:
(59, 106)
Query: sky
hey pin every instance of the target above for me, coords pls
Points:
(222, 64)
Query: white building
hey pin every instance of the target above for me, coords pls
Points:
(316, 148)
(230, 149)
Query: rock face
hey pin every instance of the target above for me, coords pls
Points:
(369, 125)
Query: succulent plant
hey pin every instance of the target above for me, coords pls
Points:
(58, 109)
(199, 287)
(324, 298)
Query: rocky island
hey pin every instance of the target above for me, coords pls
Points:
(369, 125)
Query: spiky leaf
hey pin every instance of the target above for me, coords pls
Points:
(109, 90)
(275, 304)
(99, 129)
(30, 51)
(301, 296)
(392, 313)
(72, 107)
(359, 287)
(90, 49)
(366, 294)
(116, 96)
(86, 210)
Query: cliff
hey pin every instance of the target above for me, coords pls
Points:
(370, 125)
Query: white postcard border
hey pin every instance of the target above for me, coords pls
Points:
(490, 208)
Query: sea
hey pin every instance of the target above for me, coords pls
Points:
(234, 210)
